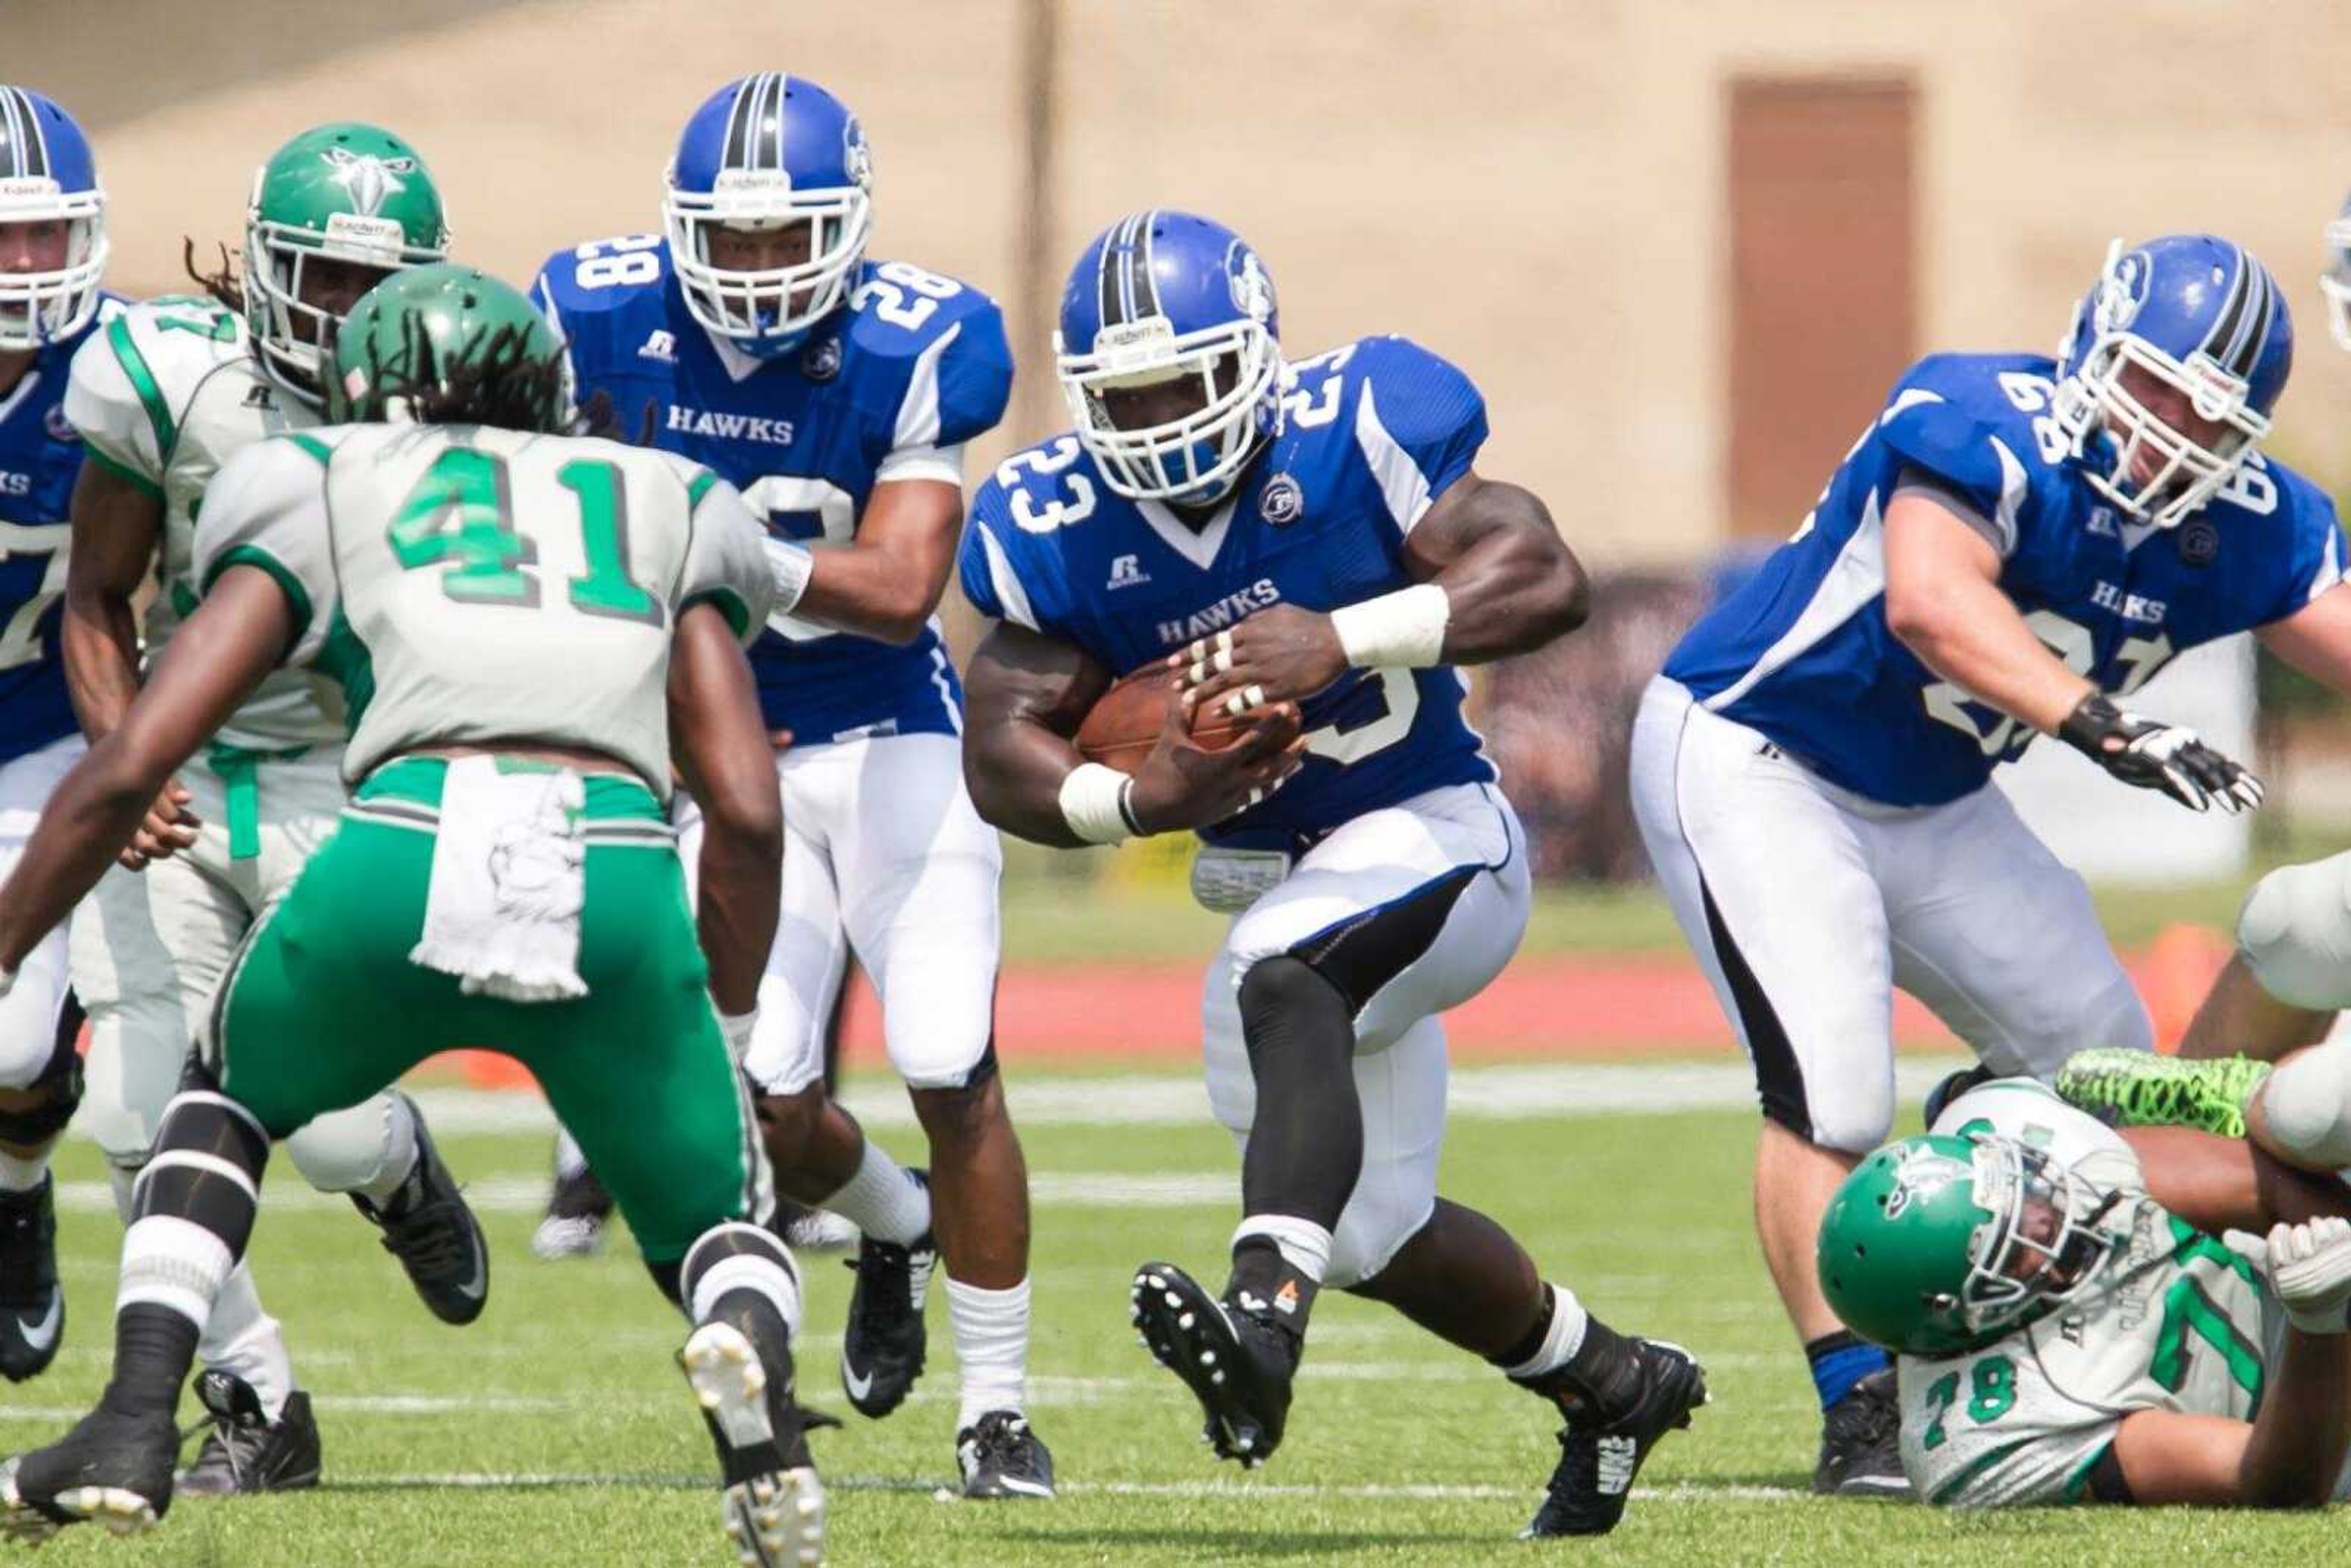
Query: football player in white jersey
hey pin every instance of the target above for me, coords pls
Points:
(2066, 1337)
(163, 396)
(522, 625)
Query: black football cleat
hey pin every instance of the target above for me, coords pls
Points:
(1861, 1443)
(1000, 1457)
(111, 1470)
(773, 1503)
(1233, 1358)
(1950, 1086)
(428, 1226)
(246, 1452)
(1600, 1453)
(32, 1301)
(884, 1342)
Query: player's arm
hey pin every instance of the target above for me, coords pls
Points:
(2291, 1453)
(216, 660)
(887, 584)
(2315, 638)
(117, 526)
(1492, 578)
(1024, 695)
(720, 744)
(1943, 601)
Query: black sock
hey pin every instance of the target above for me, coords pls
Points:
(1528, 1348)
(1262, 1275)
(153, 1348)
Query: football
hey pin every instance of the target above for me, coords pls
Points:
(1122, 726)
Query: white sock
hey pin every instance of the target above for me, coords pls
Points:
(243, 1339)
(1564, 1338)
(1304, 1244)
(363, 1151)
(568, 1159)
(991, 1337)
(882, 1200)
(18, 1174)
(745, 1272)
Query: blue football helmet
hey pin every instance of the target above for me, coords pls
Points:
(2192, 313)
(1161, 296)
(2336, 281)
(47, 175)
(762, 153)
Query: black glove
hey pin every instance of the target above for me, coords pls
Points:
(2153, 755)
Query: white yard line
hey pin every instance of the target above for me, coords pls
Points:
(1164, 1099)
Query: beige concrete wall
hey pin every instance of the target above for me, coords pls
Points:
(1533, 188)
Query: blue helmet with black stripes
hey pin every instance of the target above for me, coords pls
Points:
(767, 154)
(52, 223)
(1169, 354)
(2170, 371)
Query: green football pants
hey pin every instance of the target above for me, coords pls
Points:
(323, 1008)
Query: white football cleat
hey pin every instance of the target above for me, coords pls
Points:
(773, 1501)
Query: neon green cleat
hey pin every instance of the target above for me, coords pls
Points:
(2140, 1088)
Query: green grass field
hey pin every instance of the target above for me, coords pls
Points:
(557, 1431)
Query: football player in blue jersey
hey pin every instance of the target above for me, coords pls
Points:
(2014, 543)
(837, 392)
(1307, 545)
(53, 250)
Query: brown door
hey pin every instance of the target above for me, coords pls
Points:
(1820, 309)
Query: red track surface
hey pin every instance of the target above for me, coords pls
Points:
(1596, 1008)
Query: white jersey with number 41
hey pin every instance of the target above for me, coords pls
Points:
(465, 584)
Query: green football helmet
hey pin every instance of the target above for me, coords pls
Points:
(1937, 1245)
(449, 344)
(346, 192)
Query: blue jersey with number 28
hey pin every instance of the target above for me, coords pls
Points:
(1372, 433)
(40, 455)
(914, 360)
(1803, 652)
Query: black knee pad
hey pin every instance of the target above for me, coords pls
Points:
(1282, 996)
(58, 1086)
(665, 1275)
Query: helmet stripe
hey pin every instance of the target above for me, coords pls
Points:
(1114, 283)
(738, 117)
(2257, 332)
(769, 127)
(16, 131)
(2227, 327)
(38, 145)
(1146, 288)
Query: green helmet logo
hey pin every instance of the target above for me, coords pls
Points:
(370, 179)
(333, 210)
(1938, 1245)
(446, 344)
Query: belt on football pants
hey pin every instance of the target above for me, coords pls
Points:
(240, 776)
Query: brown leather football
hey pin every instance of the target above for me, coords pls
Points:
(1122, 726)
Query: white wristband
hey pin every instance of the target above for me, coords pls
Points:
(1399, 631)
(737, 1028)
(790, 567)
(8, 980)
(1093, 803)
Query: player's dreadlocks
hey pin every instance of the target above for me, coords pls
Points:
(223, 286)
(496, 380)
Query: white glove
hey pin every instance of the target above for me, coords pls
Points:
(2309, 1264)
